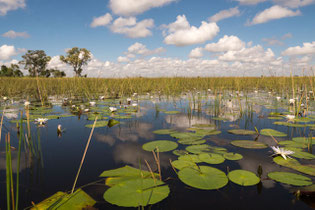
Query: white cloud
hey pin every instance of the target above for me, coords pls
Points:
(196, 53)
(308, 48)
(294, 3)
(12, 34)
(255, 54)
(102, 20)
(180, 33)
(122, 59)
(272, 13)
(131, 28)
(249, 2)
(8, 5)
(227, 43)
(7, 51)
(223, 14)
(272, 41)
(135, 7)
(140, 49)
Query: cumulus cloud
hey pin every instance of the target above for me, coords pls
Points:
(249, 2)
(180, 33)
(7, 51)
(135, 7)
(131, 28)
(8, 5)
(122, 59)
(227, 43)
(12, 34)
(223, 14)
(273, 13)
(102, 20)
(275, 41)
(294, 3)
(307, 48)
(196, 53)
(140, 49)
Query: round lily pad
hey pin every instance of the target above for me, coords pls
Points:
(204, 148)
(160, 145)
(290, 178)
(191, 141)
(138, 192)
(249, 144)
(164, 131)
(304, 140)
(296, 165)
(232, 156)
(242, 132)
(180, 152)
(191, 158)
(243, 177)
(206, 132)
(289, 143)
(272, 132)
(211, 158)
(98, 124)
(204, 126)
(206, 178)
(180, 164)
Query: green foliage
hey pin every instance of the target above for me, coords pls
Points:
(57, 73)
(248, 144)
(77, 58)
(290, 178)
(243, 177)
(12, 71)
(36, 61)
(160, 146)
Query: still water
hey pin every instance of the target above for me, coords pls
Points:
(56, 158)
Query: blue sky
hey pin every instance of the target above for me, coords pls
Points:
(165, 37)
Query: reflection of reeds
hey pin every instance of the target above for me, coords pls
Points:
(9, 174)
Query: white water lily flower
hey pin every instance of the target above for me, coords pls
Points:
(86, 110)
(278, 98)
(92, 103)
(290, 116)
(113, 109)
(102, 97)
(41, 121)
(5, 98)
(27, 103)
(281, 151)
(134, 104)
(128, 99)
(291, 101)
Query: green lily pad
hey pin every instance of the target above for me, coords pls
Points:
(125, 171)
(204, 148)
(211, 158)
(288, 124)
(248, 144)
(275, 118)
(180, 152)
(243, 177)
(160, 145)
(272, 132)
(204, 126)
(184, 135)
(172, 112)
(220, 119)
(242, 132)
(164, 131)
(290, 178)
(191, 158)
(112, 122)
(189, 141)
(180, 164)
(138, 192)
(289, 143)
(207, 132)
(294, 164)
(232, 156)
(304, 140)
(98, 124)
(303, 155)
(206, 178)
(303, 120)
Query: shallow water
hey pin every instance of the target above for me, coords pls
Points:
(57, 158)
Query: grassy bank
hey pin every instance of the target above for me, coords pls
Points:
(93, 87)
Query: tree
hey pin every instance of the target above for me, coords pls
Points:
(77, 57)
(57, 73)
(35, 61)
(12, 71)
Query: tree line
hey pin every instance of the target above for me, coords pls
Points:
(36, 62)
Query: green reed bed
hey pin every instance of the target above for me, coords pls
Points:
(92, 87)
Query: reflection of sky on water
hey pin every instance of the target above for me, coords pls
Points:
(25, 161)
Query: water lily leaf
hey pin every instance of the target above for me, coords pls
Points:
(172, 112)
(294, 164)
(206, 132)
(122, 117)
(288, 124)
(160, 145)
(249, 144)
(220, 119)
(289, 143)
(112, 122)
(275, 118)
(303, 120)
(242, 132)
(98, 124)
(290, 178)
(206, 178)
(180, 164)
(138, 192)
(184, 135)
(191, 158)
(191, 141)
(204, 126)
(60, 200)
(164, 131)
(232, 156)
(204, 148)
(272, 132)
(304, 140)
(243, 177)
(211, 158)
(180, 152)
(303, 155)
(125, 171)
